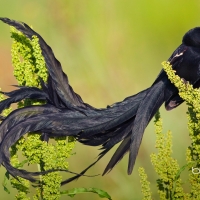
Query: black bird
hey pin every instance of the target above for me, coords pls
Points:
(65, 113)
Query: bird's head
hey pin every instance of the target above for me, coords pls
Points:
(192, 37)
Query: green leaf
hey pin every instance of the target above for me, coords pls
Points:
(6, 178)
(21, 164)
(75, 191)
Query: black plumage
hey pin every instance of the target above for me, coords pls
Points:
(65, 113)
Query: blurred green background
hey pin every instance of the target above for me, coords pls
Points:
(109, 50)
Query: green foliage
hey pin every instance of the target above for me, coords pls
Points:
(6, 111)
(144, 184)
(165, 166)
(29, 67)
(169, 183)
(27, 60)
(192, 98)
(74, 191)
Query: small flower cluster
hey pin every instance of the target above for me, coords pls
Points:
(192, 98)
(29, 65)
(169, 183)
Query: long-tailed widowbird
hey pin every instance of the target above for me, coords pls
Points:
(66, 114)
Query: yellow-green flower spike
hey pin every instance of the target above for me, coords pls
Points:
(29, 65)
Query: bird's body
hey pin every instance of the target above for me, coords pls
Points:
(66, 114)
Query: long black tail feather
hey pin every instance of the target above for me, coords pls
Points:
(60, 80)
(148, 107)
(22, 114)
(21, 94)
(65, 114)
